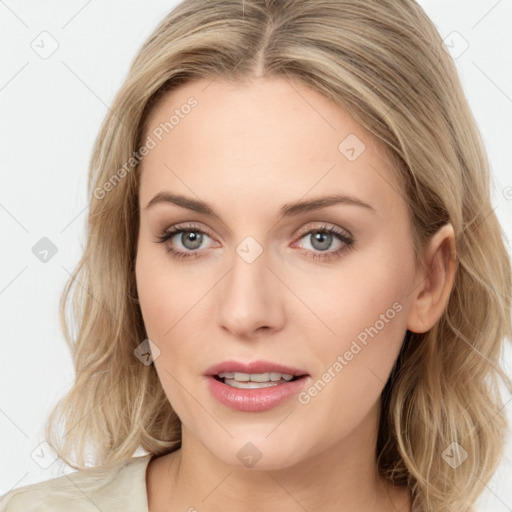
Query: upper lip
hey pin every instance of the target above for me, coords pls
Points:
(259, 366)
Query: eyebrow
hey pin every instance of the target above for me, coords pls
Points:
(287, 210)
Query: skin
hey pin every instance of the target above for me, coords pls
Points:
(242, 143)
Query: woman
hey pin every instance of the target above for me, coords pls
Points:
(294, 291)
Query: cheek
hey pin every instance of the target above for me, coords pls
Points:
(373, 304)
(366, 288)
(172, 305)
(159, 301)
(353, 365)
(364, 320)
(164, 306)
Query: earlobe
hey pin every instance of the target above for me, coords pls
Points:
(434, 285)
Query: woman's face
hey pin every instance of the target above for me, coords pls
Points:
(263, 280)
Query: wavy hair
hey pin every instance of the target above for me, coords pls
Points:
(384, 62)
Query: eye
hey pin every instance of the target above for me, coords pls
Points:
(191, 237)
(322, 238)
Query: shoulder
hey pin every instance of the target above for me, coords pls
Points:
(113, 488)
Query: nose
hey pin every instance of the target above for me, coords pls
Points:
(250, 299)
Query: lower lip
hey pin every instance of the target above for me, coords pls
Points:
(254, 400)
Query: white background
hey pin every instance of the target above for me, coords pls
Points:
(51, 110)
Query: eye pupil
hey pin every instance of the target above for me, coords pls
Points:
(194, 237)
(322, 237)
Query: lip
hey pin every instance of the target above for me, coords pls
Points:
(256, 399)
(259, 366)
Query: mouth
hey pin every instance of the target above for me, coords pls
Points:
(254, 374)
(256, 386)
(255, 380)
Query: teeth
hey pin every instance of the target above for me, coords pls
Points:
(256, 377)
(254, 380)
(250, 385)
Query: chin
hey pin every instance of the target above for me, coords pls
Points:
(258, 454)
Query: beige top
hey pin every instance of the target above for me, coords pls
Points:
(120, 488)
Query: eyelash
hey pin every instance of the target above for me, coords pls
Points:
(318, 255)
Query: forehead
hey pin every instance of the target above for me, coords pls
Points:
(269, 137)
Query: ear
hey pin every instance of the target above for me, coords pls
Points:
(433, 285)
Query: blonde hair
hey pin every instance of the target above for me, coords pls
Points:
(384, 62)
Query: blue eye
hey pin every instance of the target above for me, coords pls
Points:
(321, 237)
(195, 240)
